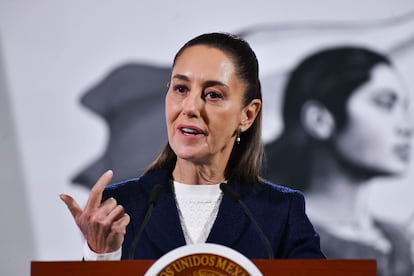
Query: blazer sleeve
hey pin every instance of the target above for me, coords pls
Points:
(302, 241)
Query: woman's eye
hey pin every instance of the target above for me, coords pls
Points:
(180, 89)
(386, 101)
(213, 95)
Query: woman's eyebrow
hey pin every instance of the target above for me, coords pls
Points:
(206, 83)
(181, 77)
(209, 83)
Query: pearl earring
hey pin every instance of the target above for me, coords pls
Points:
(239, 131)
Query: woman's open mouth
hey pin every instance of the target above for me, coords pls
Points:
(191, 131)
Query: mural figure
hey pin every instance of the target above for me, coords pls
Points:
(130, 100)
(346, 120)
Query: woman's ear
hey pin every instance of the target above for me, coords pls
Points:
(317, 120)
(249, 114)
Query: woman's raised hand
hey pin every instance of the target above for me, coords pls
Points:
(102, 224)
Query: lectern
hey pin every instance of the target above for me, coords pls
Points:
(206, 259)
(267, 267)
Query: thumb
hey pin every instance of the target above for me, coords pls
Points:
(71, 204)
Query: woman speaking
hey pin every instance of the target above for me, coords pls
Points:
(206, 174)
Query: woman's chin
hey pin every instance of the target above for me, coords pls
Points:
(188, 156)
(188, 153)
(391, 170)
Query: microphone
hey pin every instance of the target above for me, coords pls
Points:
(235, 197)
(153, 200)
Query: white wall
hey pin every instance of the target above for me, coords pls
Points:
(16, 228)
(52, 51)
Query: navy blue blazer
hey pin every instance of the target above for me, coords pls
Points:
(279, 211)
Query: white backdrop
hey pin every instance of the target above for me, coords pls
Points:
(52, 51)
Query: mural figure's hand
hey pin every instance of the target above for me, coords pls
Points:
(102, 224)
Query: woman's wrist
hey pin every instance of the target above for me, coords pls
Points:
(90, 255)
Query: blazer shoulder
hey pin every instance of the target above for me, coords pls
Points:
(273, 188)
(122, 189)
(123, 185)
(139, 187)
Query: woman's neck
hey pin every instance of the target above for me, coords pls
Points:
(189, 173)
(334, 190)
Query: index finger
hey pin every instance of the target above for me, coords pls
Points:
(95, 196)
(72, 205)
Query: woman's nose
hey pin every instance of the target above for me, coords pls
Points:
(406, 126)
(405, 129)
(406, 132)
(192, 104)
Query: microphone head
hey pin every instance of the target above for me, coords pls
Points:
(229, 191)
(155, 194)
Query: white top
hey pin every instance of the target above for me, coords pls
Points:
(197, 207)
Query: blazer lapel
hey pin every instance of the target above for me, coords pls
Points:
(164, 228)
(231, 220)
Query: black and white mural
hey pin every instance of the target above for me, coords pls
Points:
(83, 94)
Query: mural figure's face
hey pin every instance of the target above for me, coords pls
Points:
(204, 106)
(377, 135)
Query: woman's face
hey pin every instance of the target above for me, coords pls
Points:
(204, 106)
(377, 135)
